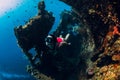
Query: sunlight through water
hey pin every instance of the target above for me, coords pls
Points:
(8, 5)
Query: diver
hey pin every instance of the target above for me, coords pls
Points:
(53, 42)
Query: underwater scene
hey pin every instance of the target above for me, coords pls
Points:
(59, 40)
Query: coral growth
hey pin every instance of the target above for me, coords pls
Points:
(103, 20)
(109, 72)
(37, 74)
(94, 53)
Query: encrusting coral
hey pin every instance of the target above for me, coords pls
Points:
(94, 52)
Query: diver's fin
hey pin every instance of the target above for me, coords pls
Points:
(67, 36)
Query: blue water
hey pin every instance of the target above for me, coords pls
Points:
(12, 60)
